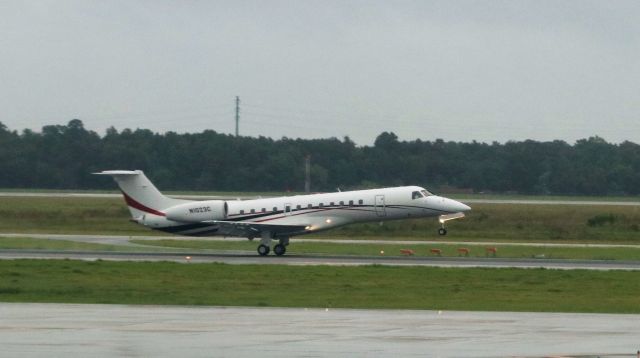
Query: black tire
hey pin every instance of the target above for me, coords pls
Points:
(442, 231)
(263, 250)
(279, 249)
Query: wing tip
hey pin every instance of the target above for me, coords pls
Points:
(118, 172)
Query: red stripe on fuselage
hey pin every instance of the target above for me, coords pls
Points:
(308, 212)
(136, 205)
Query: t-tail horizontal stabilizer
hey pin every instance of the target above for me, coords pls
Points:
(142, 197)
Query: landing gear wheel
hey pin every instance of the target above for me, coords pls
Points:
(279, 249)
(263, 250)
(442, 231)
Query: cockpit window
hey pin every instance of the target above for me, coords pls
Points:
(416, 195)
(425, 192)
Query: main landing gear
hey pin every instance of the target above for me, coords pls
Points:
(279, 249)
(265, 245)
(263, 250)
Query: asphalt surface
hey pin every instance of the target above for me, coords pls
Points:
(73, 330)
(309, 260)
(244, 257)
(125, 241)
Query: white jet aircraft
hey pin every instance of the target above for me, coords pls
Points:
(277, 218)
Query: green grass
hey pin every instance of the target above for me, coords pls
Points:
(345, 287)
(67, 216)
(486, 222)
(27, 243)
(61, 191)
(513, 223)
(503, 251)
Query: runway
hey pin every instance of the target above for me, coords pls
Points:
(126, 241)
(241, 258)
(72, 330)
(250, 257)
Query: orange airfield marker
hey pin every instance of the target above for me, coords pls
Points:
(407, 252)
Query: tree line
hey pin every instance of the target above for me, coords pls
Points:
(63, 156)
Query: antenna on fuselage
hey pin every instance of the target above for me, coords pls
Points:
(339, 191)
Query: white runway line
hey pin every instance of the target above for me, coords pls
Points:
(247, 258)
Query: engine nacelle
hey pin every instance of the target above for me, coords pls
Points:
(198, 211)
(151, 220)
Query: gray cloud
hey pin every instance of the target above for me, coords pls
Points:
(458, 70)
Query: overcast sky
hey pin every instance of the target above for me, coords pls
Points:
(457, 70)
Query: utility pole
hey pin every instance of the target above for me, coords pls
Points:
(307, 174)
(237, 114)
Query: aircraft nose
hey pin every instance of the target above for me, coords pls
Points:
(464, 207)
(456, 206)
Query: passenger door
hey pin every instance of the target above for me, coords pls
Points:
(380, 205)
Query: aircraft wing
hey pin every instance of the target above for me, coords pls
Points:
(250, 229)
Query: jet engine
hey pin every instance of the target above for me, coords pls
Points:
(198, 211)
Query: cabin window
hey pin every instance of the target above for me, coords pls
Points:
(298, 207)
(331, 204)
(416, 195)
(350, 202)
(264, 210)
(360, 202)
(241, 212)
(341, 203)
(253, 211)
(310, 206)
(287, 208)
(321, 205)
(275, 209)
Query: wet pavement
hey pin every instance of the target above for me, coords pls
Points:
(70, 330)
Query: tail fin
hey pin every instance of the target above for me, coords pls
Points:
(141, 195)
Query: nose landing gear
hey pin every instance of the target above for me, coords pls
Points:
(444, 218)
